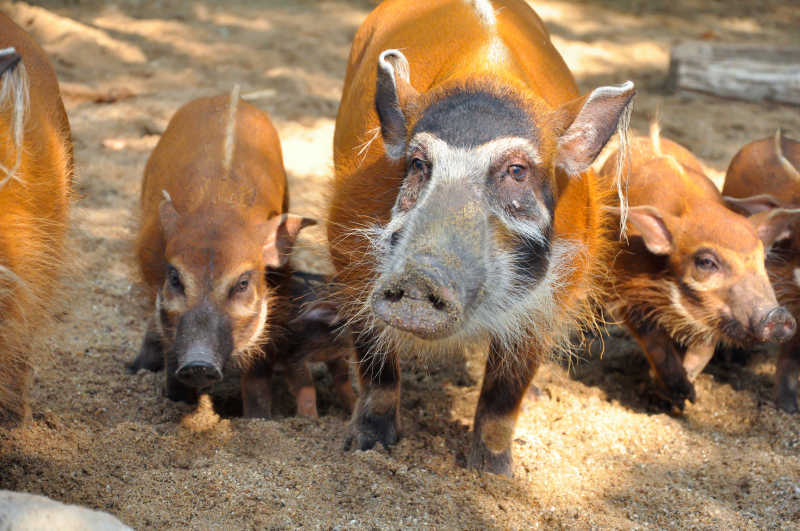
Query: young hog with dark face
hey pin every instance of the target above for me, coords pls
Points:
(35, 188)
(213, 246)
(463, 210)
(691, 273)
(770, 170)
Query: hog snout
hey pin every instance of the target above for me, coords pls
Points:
(418, 301)
(203, 344)
(778, 325)
(199, 373)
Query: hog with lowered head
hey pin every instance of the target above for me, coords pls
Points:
(35, 187)
(464, 211)
(769, 169)
(691, 272)
(213, 246)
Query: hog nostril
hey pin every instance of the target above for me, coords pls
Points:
(437, 303)
(393, 295)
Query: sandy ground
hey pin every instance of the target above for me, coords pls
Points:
(593, 451)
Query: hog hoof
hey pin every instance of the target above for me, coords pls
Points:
(677, 391)
(370, 429)
(787, 401)
(484, 460)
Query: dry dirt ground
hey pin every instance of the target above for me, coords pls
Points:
(593, 451)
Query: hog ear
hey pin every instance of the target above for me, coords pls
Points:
(279, 235)
(324, 312)
(775, 224)
(754, 204)
(584, 125)
(651, 224)
(169, 217)
(393, 94)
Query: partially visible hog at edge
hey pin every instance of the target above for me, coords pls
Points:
(213, 246)
(692, 272)
(769, 168)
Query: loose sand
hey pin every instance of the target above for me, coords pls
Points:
(593, 451)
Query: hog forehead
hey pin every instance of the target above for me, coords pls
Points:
(216, 256)
(454, 163)
(469, 119)
(715, 226)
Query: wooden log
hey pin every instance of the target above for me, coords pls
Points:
(743, 71)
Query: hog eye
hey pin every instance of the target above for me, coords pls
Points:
(706, 262)
(241, 285)
(518, 172)
(418, 165)
(174, 279)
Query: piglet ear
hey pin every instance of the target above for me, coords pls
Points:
(775, 224)
(169, 217)
(279, 234)
(393, 94)
(754, 204)
(652, 225)
(584, 125)
(323, 312)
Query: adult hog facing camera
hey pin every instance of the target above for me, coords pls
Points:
(214, 222)
(692, 271)
(771, 167)
(463, 210)
(35, 182)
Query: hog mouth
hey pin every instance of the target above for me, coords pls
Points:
(737, 333)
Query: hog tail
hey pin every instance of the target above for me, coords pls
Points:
(14, 99)
(623, 165)
(655, 137)
(785, 163)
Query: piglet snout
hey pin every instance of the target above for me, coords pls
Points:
(778, 325)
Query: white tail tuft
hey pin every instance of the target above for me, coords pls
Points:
(785, 163)
(655, 137)
(14, 99)
(230, 129)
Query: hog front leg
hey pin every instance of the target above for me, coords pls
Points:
(340, 371)
(507, 377)
(175, 389)
(151, 354)
(666, 364)
(787, 372)
(375, 418)
(301, 385)
(696, 358)
(15, 379)
(257, 390)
